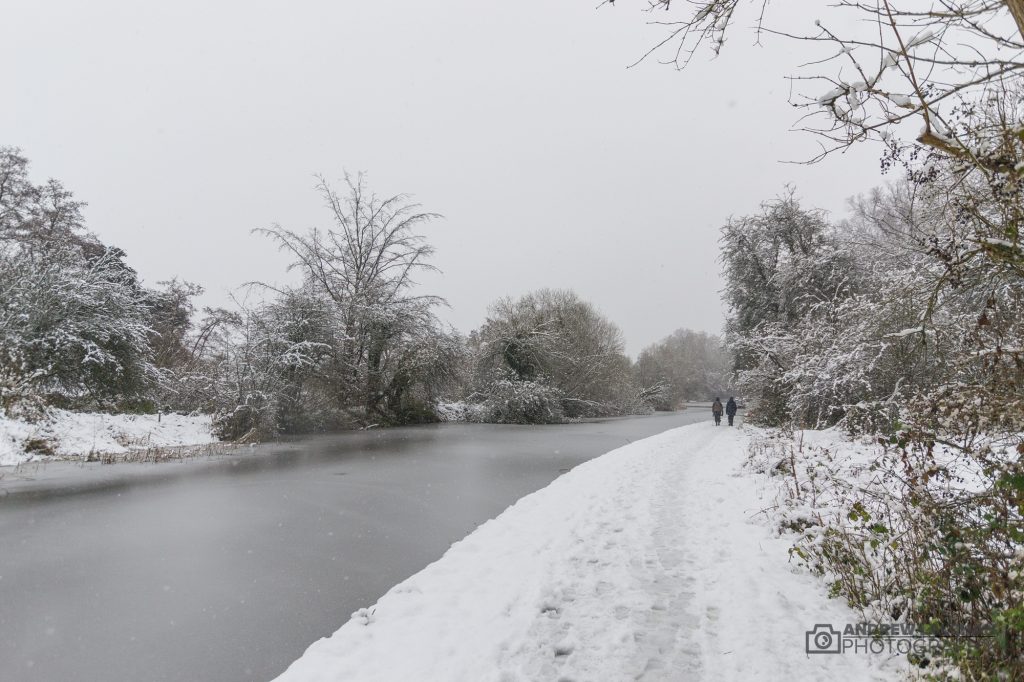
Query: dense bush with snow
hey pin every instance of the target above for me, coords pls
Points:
(512, 400)
(906, 535)
(459, 411)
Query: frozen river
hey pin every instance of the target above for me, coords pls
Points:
(227, 569)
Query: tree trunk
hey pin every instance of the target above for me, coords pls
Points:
(1017, 10)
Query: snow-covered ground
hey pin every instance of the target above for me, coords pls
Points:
(80, 434)
(651, 562)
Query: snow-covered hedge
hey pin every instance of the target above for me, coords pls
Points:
(933, 537)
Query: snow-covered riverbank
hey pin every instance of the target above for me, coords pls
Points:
(83, 434)
(650, 562)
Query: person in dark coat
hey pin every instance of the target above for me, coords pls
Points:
(730, 409)
(716, 410)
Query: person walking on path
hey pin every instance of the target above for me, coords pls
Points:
(716, 410)
(730, 409)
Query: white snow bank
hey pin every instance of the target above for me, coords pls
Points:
(78, 434)
(646, 563)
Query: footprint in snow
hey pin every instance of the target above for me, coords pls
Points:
(564, 648)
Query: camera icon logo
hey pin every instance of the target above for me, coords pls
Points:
(824, 639)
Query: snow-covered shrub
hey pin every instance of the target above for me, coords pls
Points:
(429, 363)
(459, 411)
(904, 533)
(510, 400)
(871, 418)
(18, 397)
(250, 423)
(645, 400)
(270, 364)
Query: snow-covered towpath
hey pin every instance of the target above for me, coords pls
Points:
(648, 563)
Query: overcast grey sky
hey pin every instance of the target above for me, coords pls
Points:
(186, 124)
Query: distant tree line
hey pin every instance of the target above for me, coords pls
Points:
(353, 343)
(685, 366)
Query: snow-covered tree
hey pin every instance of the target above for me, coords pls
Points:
(74, 321)
(552, 339)
(270, 362)
(783, 272)
(385, 341)
(686, 365)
